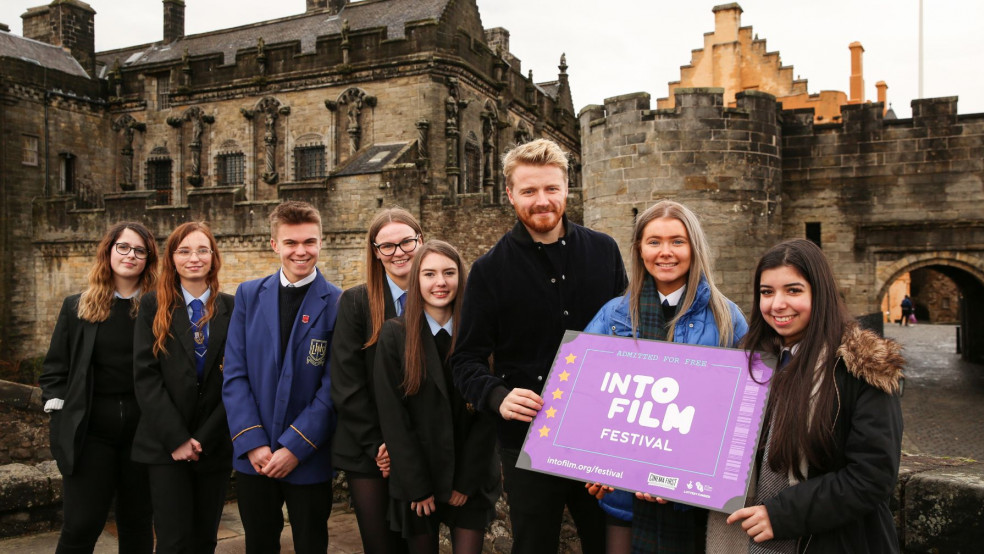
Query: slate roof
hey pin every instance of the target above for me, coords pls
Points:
(373, 159)
(45, 55)
(306, 28)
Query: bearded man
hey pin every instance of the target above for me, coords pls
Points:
(544, 276)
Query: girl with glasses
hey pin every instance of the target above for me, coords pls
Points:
(87, 386)
(444, 467)
(358, 447)
(178, 355)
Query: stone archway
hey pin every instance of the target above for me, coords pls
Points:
(967, 271)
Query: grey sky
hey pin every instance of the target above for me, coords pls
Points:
(620, 46)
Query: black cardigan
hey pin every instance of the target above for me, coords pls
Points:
(517, 307)
(436, 443)
(357, 437)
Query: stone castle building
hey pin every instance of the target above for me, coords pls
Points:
(882, 197)
(352, 106)
(736, 59)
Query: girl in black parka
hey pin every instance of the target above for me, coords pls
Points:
(829, 459)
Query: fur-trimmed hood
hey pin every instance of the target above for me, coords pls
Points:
(871, 358)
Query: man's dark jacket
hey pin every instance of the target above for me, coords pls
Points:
(517, 307)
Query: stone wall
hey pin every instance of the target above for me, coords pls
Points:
(723, 163)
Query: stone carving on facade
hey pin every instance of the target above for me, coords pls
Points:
(270, 109)
(346, 45)
(523, 134)
(453, 105)
(423, 149)
(353, 101)
(490, 141)
(530, 89)
(127, 126)
(185, 70)
(198, 119)
(261, 56)
(116, 79)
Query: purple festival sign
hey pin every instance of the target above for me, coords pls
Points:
(674, 420)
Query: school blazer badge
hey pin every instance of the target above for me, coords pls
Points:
(317, 352)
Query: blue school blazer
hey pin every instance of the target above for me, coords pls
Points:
(281, 403)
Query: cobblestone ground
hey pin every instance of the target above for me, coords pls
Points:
(943, 403)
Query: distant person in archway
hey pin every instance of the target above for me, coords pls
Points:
(907, 310)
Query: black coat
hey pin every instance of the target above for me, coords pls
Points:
(517, 307)
(846, 508)
(65, 374)
(175, 407)
(357, 437)
(436, 442)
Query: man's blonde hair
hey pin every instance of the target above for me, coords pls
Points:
(539, 152)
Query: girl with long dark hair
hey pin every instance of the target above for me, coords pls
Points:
(178, 353)
(358, 449)
(444, 468)
(87, 386)
(671, 297)
(829, 459)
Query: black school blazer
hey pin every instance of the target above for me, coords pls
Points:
(65, 374)
(357, 436)
(435, 441)
(174, 406)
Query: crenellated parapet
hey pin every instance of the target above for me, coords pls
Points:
(724, 163)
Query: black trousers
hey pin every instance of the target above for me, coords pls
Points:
(103, 471)
(187, 507)
(261, 502)
(536, 509)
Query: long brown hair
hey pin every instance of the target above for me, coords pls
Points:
(375, 273)
(700, 266)
(98, 295)
(169, 285)
(795, 432)
(414, 368)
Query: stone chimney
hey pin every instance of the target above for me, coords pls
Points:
(174, 20)
(857, 74)
(727, 21)
(882, 95)
(66, 23)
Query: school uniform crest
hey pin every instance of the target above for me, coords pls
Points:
(317, 352)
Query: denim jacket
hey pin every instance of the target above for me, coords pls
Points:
(697, 326)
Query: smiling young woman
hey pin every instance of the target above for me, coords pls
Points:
(444, 468)
(391, 244)
(671, 297)
(88, 388)
(178, 354)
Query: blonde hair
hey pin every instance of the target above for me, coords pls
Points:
(98, 295)
(699, 266)
(539, 152)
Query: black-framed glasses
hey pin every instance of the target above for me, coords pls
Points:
(406, 246)
(124, 249)
(185, 253)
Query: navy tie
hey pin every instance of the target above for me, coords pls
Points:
(784, 357)
(200, 336)
(403, 302)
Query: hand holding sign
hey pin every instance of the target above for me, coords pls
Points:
(520, 404)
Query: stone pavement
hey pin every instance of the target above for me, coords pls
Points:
(343, 532)
(943, 403)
